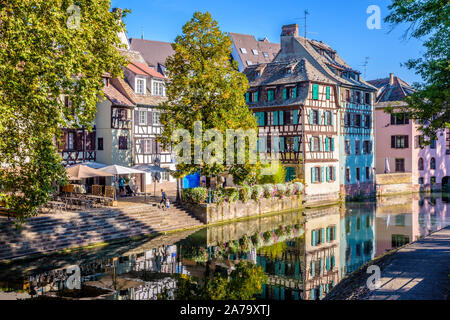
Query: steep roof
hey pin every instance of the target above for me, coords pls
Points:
(144, 70)
(117, 98)
(249, 43)
(128, 92)
(388, 92)
(155, 53)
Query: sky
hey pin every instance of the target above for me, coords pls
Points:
(342, 24)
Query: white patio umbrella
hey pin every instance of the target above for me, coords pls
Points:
(387, 169)
(115, 169)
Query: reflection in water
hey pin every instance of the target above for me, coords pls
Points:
(294, 256)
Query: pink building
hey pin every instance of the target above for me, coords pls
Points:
(398, 141)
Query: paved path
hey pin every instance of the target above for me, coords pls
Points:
(50, 232)
(420, 271)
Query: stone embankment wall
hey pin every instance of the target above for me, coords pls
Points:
(393, 183)
(213, 213)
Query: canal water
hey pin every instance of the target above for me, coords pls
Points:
(292, 256)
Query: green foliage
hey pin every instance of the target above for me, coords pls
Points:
(205, 86)
(244, 283)
(40, 60)
(195, 195)
(275, 176)
(281, 190)
(258, 192)
(269, 190)
(245, 193)
(232, 194)
(290, 189)
(429, 104)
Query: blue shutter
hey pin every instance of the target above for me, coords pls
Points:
(313, 296)
(285, 94)
(282, 144)
(328, 175)
(313, 238)
(323, 235)
(247, 97)
(297, 270)
(328, 234)
(321, 266)
(282, 294)
(322, 174)
(256, 96)
(320, 292)
(320, 144)
(264, 144)
(331, 119)
(262, 118)
(327, 145)
(294, 92)
(332, 144)
(311, 117)
(328, 263)
(313, 268)
(312, 144)
(328, 93)
(275, 118)
(315, 91)
(332, 262)
(295, 117)
(281, 118)
(334, 230)
(319, 119)
(313, 175)
(296, 144)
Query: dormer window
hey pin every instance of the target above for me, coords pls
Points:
(243, 50)
(249, 63)
(255, 52)
(140, 86)
(265, 54)
(158, 88)
(288, 71)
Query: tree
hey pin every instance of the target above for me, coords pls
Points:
(277, 174)
(204, 86)
(429, 105)
(49, 49)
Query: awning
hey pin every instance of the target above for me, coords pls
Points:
(115, 169)
(91, 164)
(80, 171)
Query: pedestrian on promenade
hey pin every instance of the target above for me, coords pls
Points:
(163, 199)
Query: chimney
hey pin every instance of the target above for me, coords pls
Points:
(290, 30)
(391, 79)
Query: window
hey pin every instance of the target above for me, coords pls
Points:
(142, 117)
(399, 119)
(255, 52)
(421, 164)
(358, 250)
(399, 165)
(331, 174)
(123, 143)
(158, 88)
(368, 222)
(357, 121)
(328, 119)
(140, 86)
(347, 174)
(433, 144)
(70, 141)
(358, 97)
(433, 164)
(348, 150)
(100, 143)
(249, 63)
(357, 147)
(367, 121)
(347, 119)
(358, 174)
(399, 240)
(367, 100)
(270, 95)
(368, 247)
(156, 118)
(243, 50)
(367, 147)
(316, 175)
(147, 146)
(400, 220)
(421, 180)
(315, 144)
(314, 117)
(367, 173)
(347, 96)
(399, 142)
(265, 54)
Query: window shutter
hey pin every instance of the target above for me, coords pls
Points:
(328, 176)
(319, 119)
(328, 237)
(313, 171)
(312, 144)
(275, 118)
(332, 262)
(313, 238)
(256, 114)
(334, 179)
(327, 148)
(295, 117)
(256, 96)
(313, 297)
(142, 143)
(136, 117)
(331, 119)
(149, 118)
(407, 141)
(313, 268)
(263, 145)
(247, 97)
(328, 264)
(320, 144)
(393, 142)
(294, 92)
(311, 117)
(321, 266)
(322, 179)
(328, 93)
(281, 118)
(315, 91)
(282, 144)
(262, 118)
(296, 144)
(332, 144)
(392, 119)
(284, 93)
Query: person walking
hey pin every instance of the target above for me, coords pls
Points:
(121, 184)
(163, 199)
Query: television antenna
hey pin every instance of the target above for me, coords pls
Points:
(365, 64)
(306, 32)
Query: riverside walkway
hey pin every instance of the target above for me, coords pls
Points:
(420, 271)
(51, 232)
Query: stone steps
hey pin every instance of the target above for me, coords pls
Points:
(47, 233)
